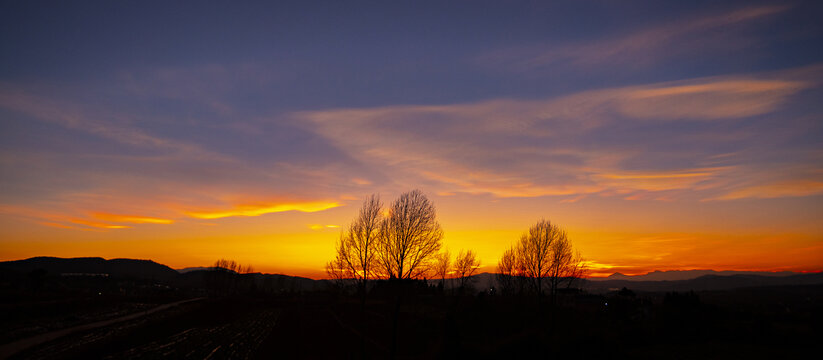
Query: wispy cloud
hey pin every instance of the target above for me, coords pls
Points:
(709, 100)
(787, 188)
(561, 146)
(132, 219)
(56, 225)
(659, 181)
(101, 225)
(721, 32)
(319, 227)
(98, 121)
(160, 177)
(262, 209)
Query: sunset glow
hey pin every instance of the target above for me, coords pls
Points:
(686, 138)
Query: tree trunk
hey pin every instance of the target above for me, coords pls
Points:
(363, 320)
(396, 318)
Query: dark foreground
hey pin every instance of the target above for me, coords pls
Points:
(762, 322)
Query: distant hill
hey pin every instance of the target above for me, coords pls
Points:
(672, 275)
(714, 280)
(195, 268)
(707, 282)
(148, 270)
(123, 268)
(697, 280)
(277, 282)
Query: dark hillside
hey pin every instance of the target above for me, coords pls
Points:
(118, 268)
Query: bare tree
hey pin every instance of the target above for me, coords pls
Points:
(544, 251)
(336, 270)
(534, 252)
(226, 265)
(507, 272)
(442, 264)
(577, 270)
(248, 269)
(563, 262)
(465, 265)
(410, 236)
(226, 277)
(356, 254)
(356, 248)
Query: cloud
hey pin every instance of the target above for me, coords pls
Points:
(787, 188)
(100, 225)
(709, 33)
(362, 182)
(319, 227)
(100, 122)
(573, 199)
(659, 181)
(148, 172)
(607, 141)
(56, 225)
(262, 209)
(131, 219)
(719, 99)
(598, 142)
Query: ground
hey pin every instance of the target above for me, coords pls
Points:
(756, 323)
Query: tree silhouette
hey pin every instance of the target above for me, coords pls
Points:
(465, 265)
(442, 264)
(409, 238)
(566, 264)
(543, 252)
(356, 248)
(337, 272)
(534, 252)
(508, 275)
(356, 254)
(225, 278)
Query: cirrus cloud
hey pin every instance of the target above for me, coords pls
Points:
(563, 146)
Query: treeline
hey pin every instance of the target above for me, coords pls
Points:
(402, 244)
(544, 258)
(228, 277)
(404, 241)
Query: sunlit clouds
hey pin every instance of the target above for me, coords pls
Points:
(132, 219)
(720, 31)
(562, 146)
(788, 188)
(319, 227)
(101, 225)
(711, 100)
(257, 210)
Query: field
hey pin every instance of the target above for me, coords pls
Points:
(426, 323)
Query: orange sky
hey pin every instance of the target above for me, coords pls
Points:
(614, 235)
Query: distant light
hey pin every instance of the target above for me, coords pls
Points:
(607, 304)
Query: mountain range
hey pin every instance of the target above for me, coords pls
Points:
(140, 269)
(673, 275)
(677, 280)
(125, 268)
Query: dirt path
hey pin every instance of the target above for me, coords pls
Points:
(12, 348)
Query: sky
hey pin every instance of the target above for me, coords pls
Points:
(659, 135)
